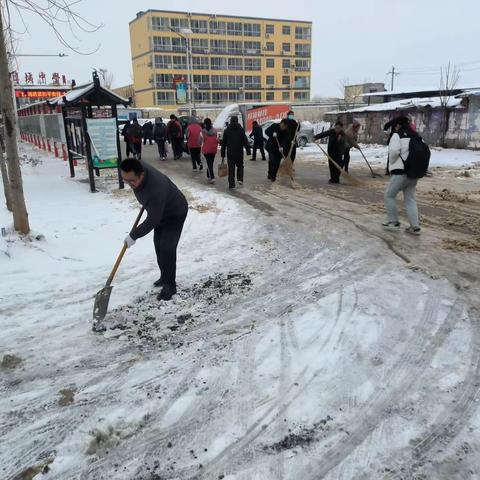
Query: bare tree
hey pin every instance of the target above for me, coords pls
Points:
(106, 77)
(57, 14)
(449, 78)
(4, 173)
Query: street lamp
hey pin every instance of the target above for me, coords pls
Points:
(191, 93)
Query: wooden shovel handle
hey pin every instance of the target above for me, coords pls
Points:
(122, 252)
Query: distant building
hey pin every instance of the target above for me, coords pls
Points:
(231, 59)
(354, 94)
(127, 91)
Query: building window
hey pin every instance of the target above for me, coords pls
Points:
(178, 23)
(201, 81)
(233, 96)
(200, 63)
(235, 81)
(269, 29)
(162, 44)
(270, 96)
(302, 82)
(253, 64)
(270, 46)
(163, 80)
(218, 63)
(219, 97)
(251, 29)
(270, 79)
(199, 26)
(163, 61)
(285, 80)
(255, 96)
(253, 81)
(270, 63)
(285, 95)
(302, 50)
(286, 63)
(218, 46)
(219, 81)
(234, 28)
(286, 29)
(302, 65)
(303, 33)
(160, 24)
(165, 98)
(202, 97)
(199, 45)
(178, 44)
(179, 62)
(235, 63)
(252, 48)
(286, 47)
(301, 96)
(218, 28)
(234, 47)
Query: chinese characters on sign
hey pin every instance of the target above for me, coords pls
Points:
(38, 93)
(57, 78)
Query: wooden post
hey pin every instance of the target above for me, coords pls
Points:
(69, 143)
(88, 149)
(119, 148)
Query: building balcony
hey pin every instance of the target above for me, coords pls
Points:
(253, 86)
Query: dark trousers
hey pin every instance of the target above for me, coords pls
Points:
(136, 149)
(210, 158)
(259, 146)
(161, 147)
(346, 159)
(235, 163)
(177, 147)
(334, 173)
(274, 159)
(127, 149)
(165, 238)
(147, 138)
(286, 151)
(195, 156)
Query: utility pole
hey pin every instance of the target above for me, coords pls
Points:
(392, 73)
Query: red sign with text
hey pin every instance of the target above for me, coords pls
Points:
(263, 114)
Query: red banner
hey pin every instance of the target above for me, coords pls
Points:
(263, 114)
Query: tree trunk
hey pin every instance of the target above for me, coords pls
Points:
(19, 209)
(6, 183)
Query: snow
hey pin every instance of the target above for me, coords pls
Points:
(299, 345)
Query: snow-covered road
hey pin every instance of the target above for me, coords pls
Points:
(306, 343)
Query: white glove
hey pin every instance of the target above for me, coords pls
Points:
(129, 241)
(274, 134)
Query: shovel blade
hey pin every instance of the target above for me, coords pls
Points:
(101, 303)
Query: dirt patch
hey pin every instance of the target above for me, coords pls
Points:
(67, 396)
(461, 245)
(447, 195)
(30, 472)
(204, 207)
(10, 361)
(303, 436)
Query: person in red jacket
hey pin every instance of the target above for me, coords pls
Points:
(209, 148)
(194, 143)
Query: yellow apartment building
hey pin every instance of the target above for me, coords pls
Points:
(226, 59)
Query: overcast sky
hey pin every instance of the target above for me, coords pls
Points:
(354, 40)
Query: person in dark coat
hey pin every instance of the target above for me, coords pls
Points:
(277, 137)
(233, 142)
(336, 148)
(160, 137)
(175, 136)
(125, 139)
(291, 136)
(167, 210)
(147, 132)
(134, 135)
(258, 140)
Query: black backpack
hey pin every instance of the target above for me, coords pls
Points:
(416, 164)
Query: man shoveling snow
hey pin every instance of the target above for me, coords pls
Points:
(167, 210)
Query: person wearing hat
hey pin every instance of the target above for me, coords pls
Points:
(398, 149)
(351, 140)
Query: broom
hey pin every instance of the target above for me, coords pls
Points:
(350, 178)
(374, 174)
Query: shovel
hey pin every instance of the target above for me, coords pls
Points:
(103, 296)
(371, 169)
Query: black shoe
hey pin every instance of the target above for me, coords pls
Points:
(333, 181)
(253, 159)
(269, 176)
(264, 159)
(158, 283)
(200, 166)
(167, 293)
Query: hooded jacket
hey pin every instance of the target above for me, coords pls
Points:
(234, 141)
(398, 150)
